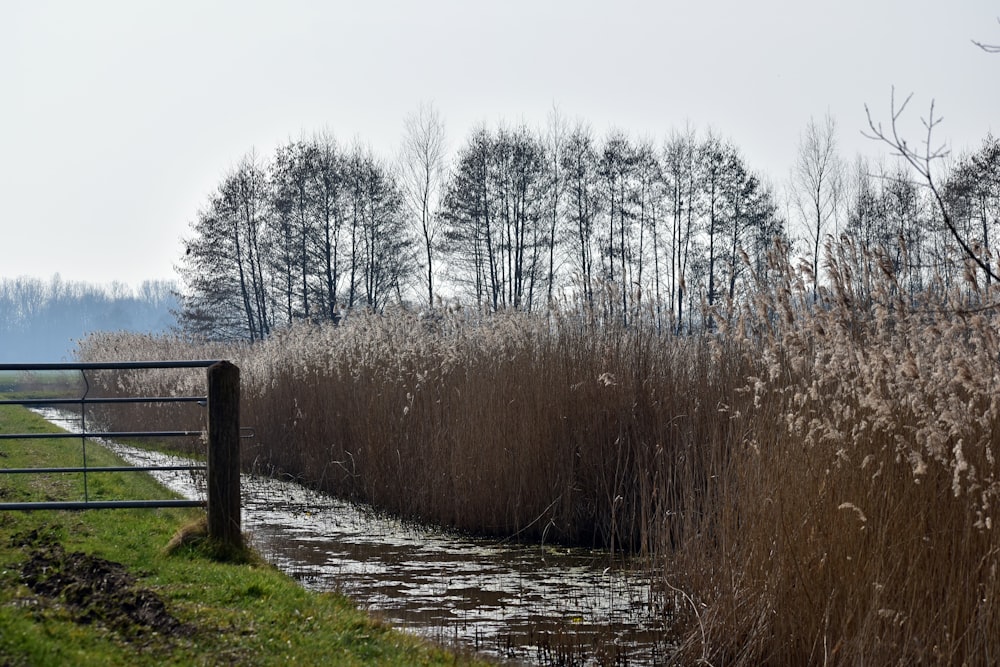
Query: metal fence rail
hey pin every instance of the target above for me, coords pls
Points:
(222, 401)
(126, 399)
(98, 434)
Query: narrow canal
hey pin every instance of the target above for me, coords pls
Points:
(529, 604)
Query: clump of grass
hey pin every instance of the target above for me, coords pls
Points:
(169, 382)
(545, 428)
(193, 537)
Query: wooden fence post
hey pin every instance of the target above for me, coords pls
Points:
(224, 454)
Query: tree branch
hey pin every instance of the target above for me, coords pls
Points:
(988, 48)
(921, 161)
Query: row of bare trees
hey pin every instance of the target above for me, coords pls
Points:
(522, 219)
(316, 230)
(619, 224)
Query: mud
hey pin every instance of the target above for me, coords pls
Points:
(94, 590)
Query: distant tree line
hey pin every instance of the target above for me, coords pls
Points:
(521, 219)
(313, 231)
(41, 320)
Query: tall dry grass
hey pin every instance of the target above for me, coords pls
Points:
(169, 382)
(550, 427)
(868, 495)
(512, 425)
(817, 480)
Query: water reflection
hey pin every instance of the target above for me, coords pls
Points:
(532, 604)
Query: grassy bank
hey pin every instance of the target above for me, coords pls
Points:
(100, 588)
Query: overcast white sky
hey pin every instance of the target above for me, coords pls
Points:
(118, 118)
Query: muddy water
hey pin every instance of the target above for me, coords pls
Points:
(528, 604)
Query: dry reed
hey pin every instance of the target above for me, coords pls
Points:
(866, 499)
(818, 481)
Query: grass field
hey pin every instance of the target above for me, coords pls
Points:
(101, 588)
(41, 384)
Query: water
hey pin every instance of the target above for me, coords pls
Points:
(529, 604)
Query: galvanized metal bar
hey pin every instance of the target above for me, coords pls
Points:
(78, 401)
(108, 365)
(101, 504)
(13, 471)
(105, 434)
(83, 440)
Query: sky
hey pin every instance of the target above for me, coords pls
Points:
(119, 118)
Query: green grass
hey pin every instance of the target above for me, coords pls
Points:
(246, 613)
(40, 384)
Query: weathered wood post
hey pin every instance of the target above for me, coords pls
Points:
(224, 454)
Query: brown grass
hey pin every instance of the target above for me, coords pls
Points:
(864, 532)
(817, 481)
(544, 428)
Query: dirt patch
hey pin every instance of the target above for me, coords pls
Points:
(94, 590)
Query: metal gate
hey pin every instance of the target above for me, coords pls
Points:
(223, 467)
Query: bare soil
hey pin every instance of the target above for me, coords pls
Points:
(95, 591)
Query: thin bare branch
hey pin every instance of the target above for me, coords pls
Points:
(988, 48)
(921, 162)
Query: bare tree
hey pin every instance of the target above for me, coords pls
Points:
(579, 166)
(650, 197)
(616, 167)
(292, 230)
(680, 172)
(922, 160)
(493, 214)
(243, 205)
(330, 188)
(817, 180)
(421, 165)
(385, 243)
(712, 160)
(972, 194)
(226, 293)
(555, 146)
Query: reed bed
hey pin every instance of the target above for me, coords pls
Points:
(817, 480)
(542, 428)
(867, 496)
